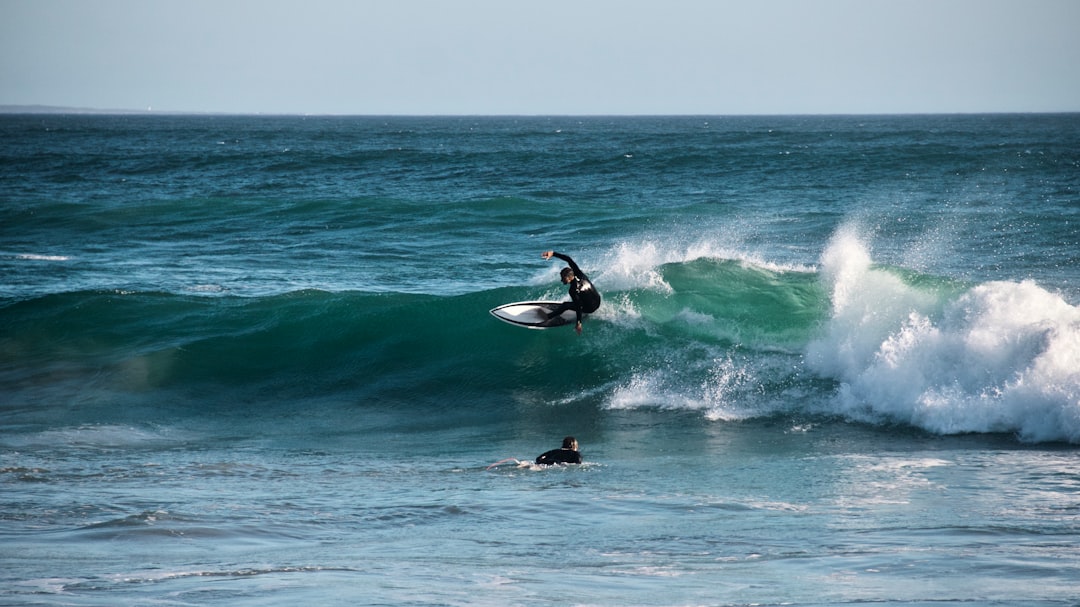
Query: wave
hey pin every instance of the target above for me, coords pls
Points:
(945, 357)
(698, 328)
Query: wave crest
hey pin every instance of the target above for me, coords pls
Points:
(994, 357)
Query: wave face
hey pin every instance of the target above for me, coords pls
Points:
(370, 345)
(733, 339)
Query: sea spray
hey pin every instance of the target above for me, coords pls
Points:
(997, 357)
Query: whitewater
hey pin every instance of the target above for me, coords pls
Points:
(940, 355)
(249, 361)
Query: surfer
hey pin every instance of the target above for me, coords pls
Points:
(584, 298)
(567, 454)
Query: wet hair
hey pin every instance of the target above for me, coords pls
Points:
(569, 442)
(566, 272)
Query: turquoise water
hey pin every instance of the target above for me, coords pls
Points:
(248, 360)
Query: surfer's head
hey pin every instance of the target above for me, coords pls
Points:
(569, 443)
(567, 275)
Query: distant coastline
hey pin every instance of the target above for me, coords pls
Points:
(62, 109)
(56, 109)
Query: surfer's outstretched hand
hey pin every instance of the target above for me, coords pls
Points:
(547, 254)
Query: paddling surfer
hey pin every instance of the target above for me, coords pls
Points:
(567, 454)
(584, 298)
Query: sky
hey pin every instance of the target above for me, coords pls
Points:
(543, 57)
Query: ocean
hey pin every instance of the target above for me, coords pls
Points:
(248, 360)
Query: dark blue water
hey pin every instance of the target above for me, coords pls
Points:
(248, 360)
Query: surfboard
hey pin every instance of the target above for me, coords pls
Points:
(533, 314)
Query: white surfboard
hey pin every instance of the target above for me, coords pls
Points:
(533, 314)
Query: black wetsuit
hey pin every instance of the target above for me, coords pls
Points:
(584, 298)
(559, 456)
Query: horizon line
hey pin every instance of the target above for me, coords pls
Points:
(44, 109)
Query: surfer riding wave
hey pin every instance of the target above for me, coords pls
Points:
(584, 298)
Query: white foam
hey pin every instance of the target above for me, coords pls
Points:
(620, 310)
(647, 389)
(207, 288)
(637, 265)
(1001, 357)
(721, 398)
(36, 257)
(53, 585)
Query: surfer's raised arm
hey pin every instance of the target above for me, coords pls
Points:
(584, 298)
(570, 262)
